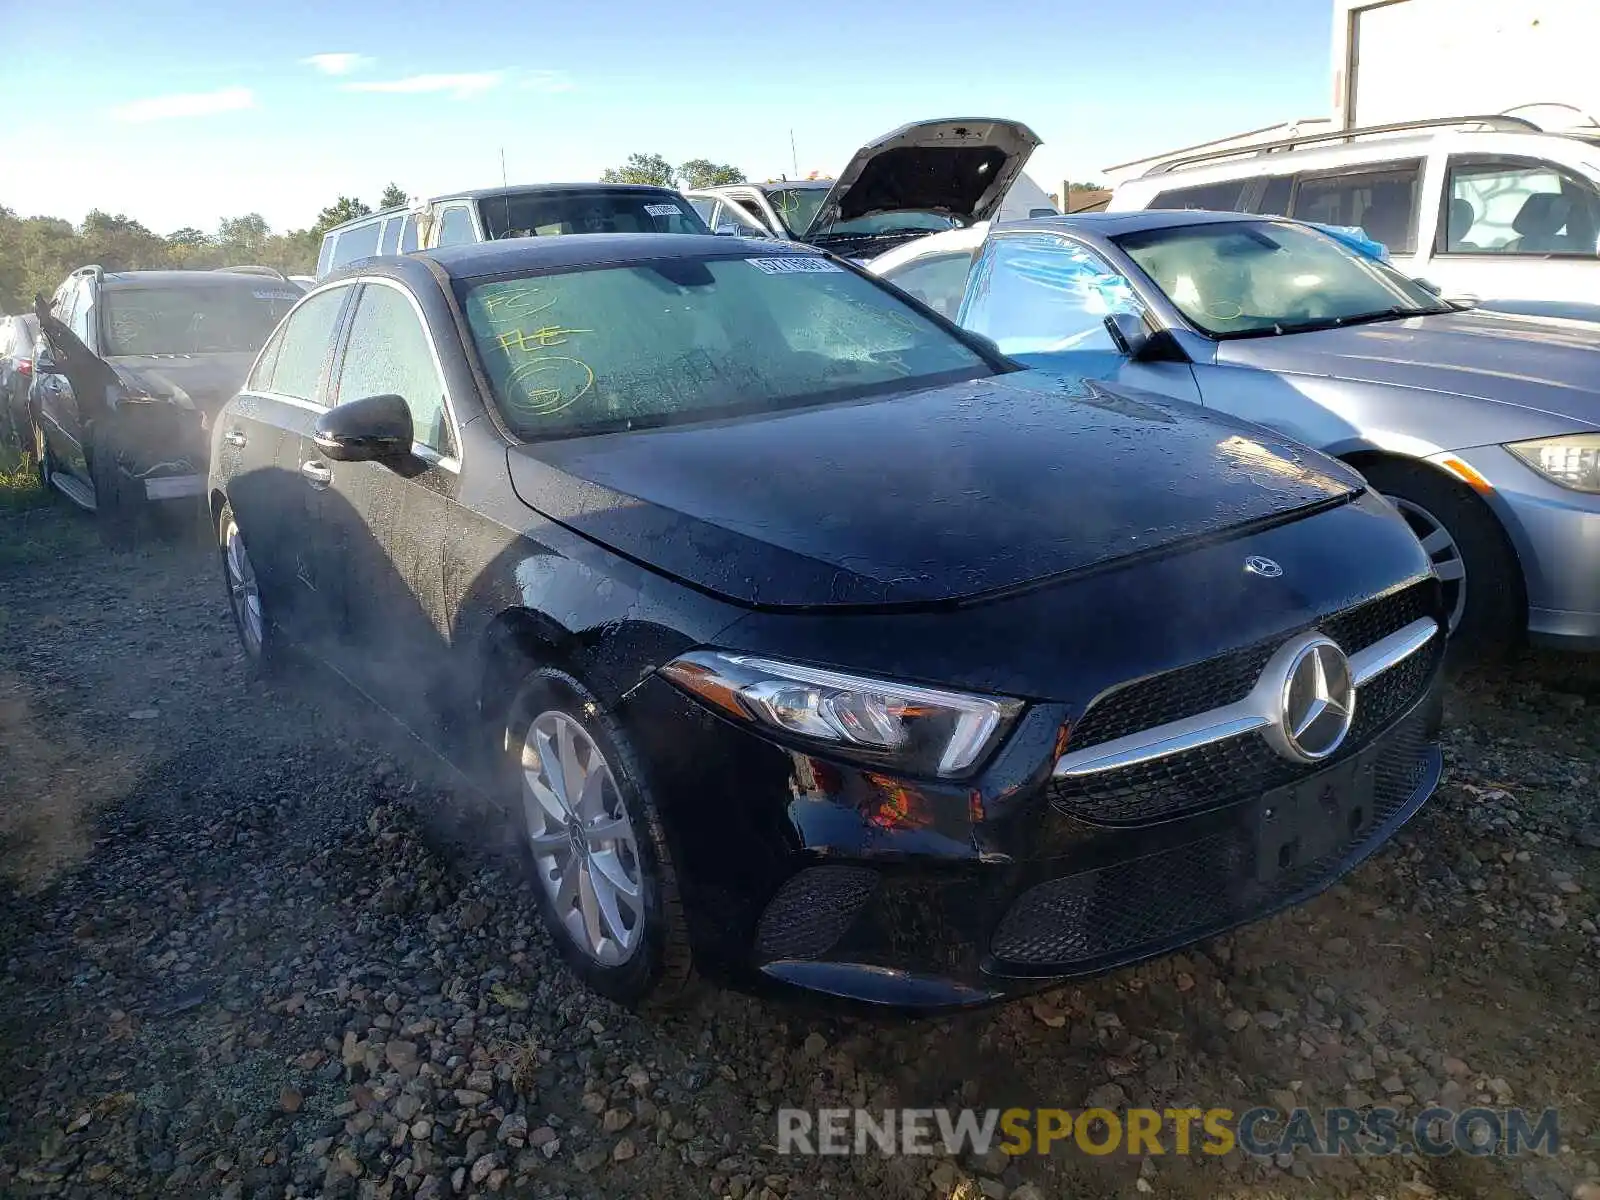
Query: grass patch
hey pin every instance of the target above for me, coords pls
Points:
(36, 526)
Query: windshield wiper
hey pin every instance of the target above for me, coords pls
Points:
(1394, 313)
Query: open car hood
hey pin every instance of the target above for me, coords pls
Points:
(962, 168)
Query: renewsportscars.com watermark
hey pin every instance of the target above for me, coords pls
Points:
(1262, 1132)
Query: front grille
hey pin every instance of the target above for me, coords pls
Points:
(1097, 918)
(812, 911)
(1224, 772)
(1173, 695)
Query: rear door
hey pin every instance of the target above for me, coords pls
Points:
(261, 447)
(1383, 199)
(388, 523)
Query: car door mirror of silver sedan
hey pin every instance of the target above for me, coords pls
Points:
(372, 429)
(1132, 336)
(1427, 285)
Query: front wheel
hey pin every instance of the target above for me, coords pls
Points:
(119, 499)
(256, 635)
(603, 874)
(1478, 571)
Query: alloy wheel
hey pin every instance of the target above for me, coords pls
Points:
(583, 842)
(1444, 553)
(244, 593)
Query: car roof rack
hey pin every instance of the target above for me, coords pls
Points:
(273, 272)
(1502, 122)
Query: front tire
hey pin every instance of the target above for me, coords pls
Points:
(119, 500)
(1477, 568)
(603, 872)
(257, 638)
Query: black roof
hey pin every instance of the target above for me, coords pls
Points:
(234, 279)
(475, 259)
(1110, 224)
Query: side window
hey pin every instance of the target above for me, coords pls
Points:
(1518, 206)
(303, 345)
(703, 205)
(455, 226)
(408, 234)
(84, 311)
(731, 215)
(1381, 200)
(1275, 196)
(359, 241)
(1040, 295)
(325, 254)
(389, 352)
(1214, 197)
(390, 241)
(261, 377)
(938, 281)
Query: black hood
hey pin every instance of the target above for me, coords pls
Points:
(201, 381)
(936, 495)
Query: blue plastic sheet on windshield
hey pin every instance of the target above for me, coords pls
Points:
(1356, 238)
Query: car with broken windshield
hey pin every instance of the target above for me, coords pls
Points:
(130, 366)
(803, 637)
(1482, 427)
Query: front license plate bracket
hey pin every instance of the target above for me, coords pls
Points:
(1311, 819)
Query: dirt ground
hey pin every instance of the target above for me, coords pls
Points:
(237, 959)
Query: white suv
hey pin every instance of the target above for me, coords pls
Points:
(1490, 209)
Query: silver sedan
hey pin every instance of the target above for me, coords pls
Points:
(1482, 428)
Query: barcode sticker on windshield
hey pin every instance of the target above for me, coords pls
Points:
(663, 210)
(794, 265)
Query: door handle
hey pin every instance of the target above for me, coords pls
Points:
(319, 475)
(234, 438)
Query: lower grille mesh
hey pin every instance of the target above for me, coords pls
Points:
(1182, 893)
(812, 911)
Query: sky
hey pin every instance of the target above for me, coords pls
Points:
(179, 113)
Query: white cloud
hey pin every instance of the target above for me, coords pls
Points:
(189, 104)
(337, 64)
(543, 81)
(462, 86)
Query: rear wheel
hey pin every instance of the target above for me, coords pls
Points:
(1477, 568)
(603, 872)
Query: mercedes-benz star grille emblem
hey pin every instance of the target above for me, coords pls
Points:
(1264, 567)
(1319, 700)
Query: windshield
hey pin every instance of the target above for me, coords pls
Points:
(545, 214)
(903, 221)
(193, 320)
(686, 339)
(797, 206)
(1255, 278)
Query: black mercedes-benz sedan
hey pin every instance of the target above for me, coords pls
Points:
(803, 635)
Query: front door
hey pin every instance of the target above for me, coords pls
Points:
(387, 523)
(261, 447)
(1521, 231)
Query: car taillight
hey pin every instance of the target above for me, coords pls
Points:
(24, 366)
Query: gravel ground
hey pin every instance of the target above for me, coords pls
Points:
(242, 956)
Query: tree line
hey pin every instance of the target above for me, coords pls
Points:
(37, 253)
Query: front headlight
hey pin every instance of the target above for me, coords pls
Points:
(1572, 461)
(923, 731)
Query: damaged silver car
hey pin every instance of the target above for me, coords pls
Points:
(922, 178)
(128, 371)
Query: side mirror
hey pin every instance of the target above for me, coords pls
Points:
(1129, 334)
(988, 343)
(372, 429)
(1427, 285)
(729, 231)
